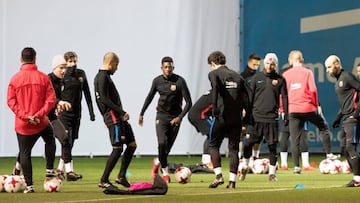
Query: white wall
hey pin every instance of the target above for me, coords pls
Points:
(141, 32)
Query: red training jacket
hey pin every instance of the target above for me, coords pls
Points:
(30, 93)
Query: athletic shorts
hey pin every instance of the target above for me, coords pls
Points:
(119, 130)
(267, 131)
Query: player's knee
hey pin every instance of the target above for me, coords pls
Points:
(351, 150)
(132, 144)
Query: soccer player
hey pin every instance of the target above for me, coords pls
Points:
(267, 86)
(31, 97)
(250, 70)
(75, 83)
(173, 90)
(285, 136)
(230, 94)
(304, 106)
(116, 119)
(347, 89)
(199, 116)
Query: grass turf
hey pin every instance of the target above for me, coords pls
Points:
(256, 188)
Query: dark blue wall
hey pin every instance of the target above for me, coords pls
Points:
(275, 26)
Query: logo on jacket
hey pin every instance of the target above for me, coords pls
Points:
(173, 87)
(274, 82)
(341, 83)
(294, 86)
(230, 84)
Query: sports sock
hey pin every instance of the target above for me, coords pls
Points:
(272, 169)
(256, 153)
(68, 168)
(61, 164)
(205, 159)
(283, 157)
(232, 177)
(217, 170)
(356, 178)
(165, 171)
(305, 159)
(18, 165)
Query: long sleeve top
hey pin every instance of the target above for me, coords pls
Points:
(172, 91)
(30, 93)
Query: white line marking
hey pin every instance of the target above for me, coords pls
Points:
(330, 21)
(211, 192)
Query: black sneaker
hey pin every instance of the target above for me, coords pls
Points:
(122, 181)
(217, 182)
(73, 176)
(29, 189)
(353, 183)
(272, 177)
(107, 185)
(231, 185)
(244, 171)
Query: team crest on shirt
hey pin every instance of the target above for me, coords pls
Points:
(341, 83)
(173, 87)
(274, 82)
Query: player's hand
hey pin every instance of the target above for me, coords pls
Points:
(33, 120)
(126, 117)
(63, 106)
(175, 122)
(141, 120)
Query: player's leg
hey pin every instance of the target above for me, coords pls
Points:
(284, 143)
(205, 157)
(233, 146)
(296, 129)
(352, 131)
(50, 148)
(216, 137)
(26, 144)
(320, 122)
(129, 139)
(117, 149)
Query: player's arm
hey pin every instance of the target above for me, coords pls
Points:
(87, 95)
(186, 94)
(147, 102)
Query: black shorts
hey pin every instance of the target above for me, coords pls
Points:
(116, 132)
(267, 131)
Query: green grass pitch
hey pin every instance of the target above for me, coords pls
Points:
(256, 188)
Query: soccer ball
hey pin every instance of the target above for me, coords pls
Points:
(2, 182)
(345, 167)
(335, 168)
(183, 175)
(325, 166)
(260, 166)
(53, 184)
(14, 184)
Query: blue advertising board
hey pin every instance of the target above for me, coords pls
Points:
(317, 28)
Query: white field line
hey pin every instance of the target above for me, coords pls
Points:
(124, 197)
